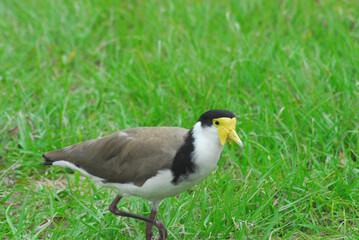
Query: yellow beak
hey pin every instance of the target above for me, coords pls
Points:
(227, 129)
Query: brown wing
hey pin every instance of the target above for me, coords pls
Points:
(132, 155)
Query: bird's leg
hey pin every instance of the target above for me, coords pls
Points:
(149, 226)
(158, 223)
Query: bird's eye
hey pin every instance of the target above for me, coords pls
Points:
(216, 122)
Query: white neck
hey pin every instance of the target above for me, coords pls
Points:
(207, 150)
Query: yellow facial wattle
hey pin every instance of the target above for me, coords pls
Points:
(226, 128)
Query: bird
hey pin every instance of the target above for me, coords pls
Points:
(153, 163)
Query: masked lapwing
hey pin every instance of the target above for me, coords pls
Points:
(151, 162)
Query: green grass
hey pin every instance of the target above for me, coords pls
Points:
(76, 70)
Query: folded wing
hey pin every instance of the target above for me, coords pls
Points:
(129, 156)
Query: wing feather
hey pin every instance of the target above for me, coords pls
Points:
(132, 155)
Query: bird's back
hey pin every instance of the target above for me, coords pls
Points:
(129, 156)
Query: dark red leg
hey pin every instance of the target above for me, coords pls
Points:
(150, 221)
(149, 226)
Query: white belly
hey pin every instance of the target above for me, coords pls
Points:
(154, 189)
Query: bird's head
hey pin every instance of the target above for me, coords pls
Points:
(225, 122)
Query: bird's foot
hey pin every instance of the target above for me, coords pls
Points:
(161, 229)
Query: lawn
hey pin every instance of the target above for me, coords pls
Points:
(77, 70)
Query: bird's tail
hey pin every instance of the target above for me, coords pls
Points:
(51, 157)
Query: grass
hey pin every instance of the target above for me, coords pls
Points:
(76, 70)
